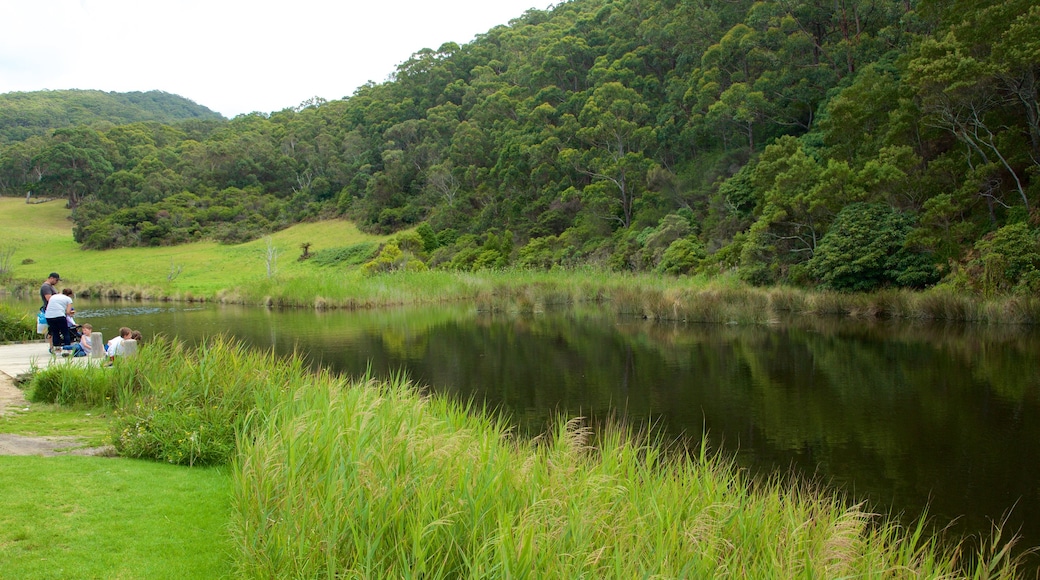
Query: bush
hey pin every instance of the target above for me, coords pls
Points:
(187, 407)
(865, 249)
(683, 256)
(392, 258)
(15, 325)
(1007, 258)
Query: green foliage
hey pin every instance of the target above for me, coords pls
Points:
(15, 325)
(683, 256)
(391, 258)
(542, 253)
(1007, 260)
(429, 237)
(866, 249)
(171, 404)
(374, 480)
(23, 115)
(598, 124)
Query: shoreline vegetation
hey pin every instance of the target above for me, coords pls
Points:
(267, 272)
(722, 299)
(349, 476)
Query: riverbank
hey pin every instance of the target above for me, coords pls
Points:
(374, 479)
(269, 272)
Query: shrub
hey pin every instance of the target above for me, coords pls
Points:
(866, 249)
(683, 256)
(15, 325)
(1006, 258)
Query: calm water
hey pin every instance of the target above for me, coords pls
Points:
(897, 414)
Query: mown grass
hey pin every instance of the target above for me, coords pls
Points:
(41, 235)
(88, 517)
(91, 424)
(356, 478)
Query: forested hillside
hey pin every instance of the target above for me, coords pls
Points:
(853, 144)
(23, 115)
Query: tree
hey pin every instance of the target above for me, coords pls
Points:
(866, 249)
(613, 125)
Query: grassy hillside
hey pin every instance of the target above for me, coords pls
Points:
(41, 236)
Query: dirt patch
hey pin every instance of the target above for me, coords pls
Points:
(12, 400)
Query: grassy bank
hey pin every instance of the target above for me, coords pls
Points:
(41, 236)
(350, 477)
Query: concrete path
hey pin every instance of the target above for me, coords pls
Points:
(19, 359)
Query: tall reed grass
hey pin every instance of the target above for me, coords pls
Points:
(373, 480)
(175, 404)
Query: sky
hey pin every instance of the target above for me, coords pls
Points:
(232, 56)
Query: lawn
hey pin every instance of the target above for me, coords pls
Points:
(92, 517)
(41, 236)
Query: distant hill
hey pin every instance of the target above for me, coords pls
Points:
(23, 115)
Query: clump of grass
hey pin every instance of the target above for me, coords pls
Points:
(828, 303)
(173, 404)
(374, 480)
(16, 325)
(1011, 310)
(72, 384)
(945, 305)
(787, 299)
(193, 403)
(888, 304)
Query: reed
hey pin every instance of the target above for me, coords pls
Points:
(374, 480)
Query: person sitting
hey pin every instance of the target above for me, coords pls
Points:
(75, 330)
(83, 347)
(114, 347)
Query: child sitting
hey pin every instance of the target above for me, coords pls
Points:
(82, 348)
(114, 346)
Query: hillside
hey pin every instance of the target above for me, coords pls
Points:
(24, 114)
(852, 145)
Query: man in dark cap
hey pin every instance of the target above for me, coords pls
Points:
(47, 290)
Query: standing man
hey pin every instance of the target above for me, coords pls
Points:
(47, 290)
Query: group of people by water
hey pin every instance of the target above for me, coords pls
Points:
(67, 337)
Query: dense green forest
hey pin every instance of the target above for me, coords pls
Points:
(853, 144)
(23, 115)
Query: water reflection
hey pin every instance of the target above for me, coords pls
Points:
(899, 414)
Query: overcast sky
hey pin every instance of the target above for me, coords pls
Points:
(233, 56)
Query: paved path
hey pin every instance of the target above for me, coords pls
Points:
(18, 359)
